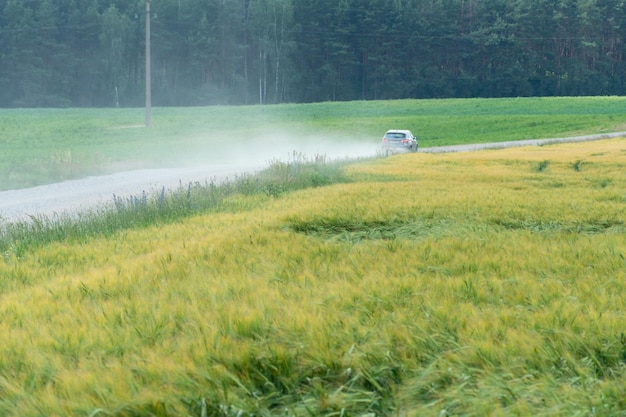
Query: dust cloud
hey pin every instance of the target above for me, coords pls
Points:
(210, 163)
(267, 148)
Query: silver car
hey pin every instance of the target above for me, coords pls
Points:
(399, 140)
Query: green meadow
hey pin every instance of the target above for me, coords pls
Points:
(39, 146)
(487, 283)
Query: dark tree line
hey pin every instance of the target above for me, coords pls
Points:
(57, 53)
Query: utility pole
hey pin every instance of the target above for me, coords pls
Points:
(148, 80)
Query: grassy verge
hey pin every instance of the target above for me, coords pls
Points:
(485, 283)
(166, 206)
(44, 146)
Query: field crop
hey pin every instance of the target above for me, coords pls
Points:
(50, 145)
(485, 283)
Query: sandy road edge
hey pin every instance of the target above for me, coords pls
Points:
(520, 143)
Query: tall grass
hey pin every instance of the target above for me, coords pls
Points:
(427, 285)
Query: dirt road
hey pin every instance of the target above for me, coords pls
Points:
(74, 196)
(518, 143)
(77, 195)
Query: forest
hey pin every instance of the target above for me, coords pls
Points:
(92, 53)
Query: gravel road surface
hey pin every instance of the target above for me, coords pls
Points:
(74, 196)
(78, 195)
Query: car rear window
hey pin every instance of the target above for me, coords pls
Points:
(395, 135)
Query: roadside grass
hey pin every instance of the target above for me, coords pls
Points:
(427, 285)
(243, 192)
(50, 145)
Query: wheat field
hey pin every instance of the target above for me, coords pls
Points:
(484, 283)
